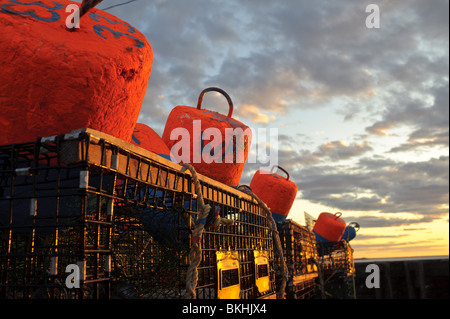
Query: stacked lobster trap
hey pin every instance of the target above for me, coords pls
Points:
(86, 215)
(300, 253)
(315, 268)
(337, 267)
(336, 258)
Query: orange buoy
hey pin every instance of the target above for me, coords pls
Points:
(215, 145)
(277, 192)
(329, 227)
(54, 80)
(145, 137)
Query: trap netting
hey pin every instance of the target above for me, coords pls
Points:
(299, 247)
(84, 215)
(336, 258)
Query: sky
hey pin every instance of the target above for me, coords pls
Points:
(362, 113)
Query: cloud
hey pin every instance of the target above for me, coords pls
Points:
(430, 138)
(432, 128)
(385, 186)
(259, 80)
(293, 160)
(429, 121)
(339, 150)
(254, 114)
(281, 56)
(288, 159)
(275, 58)
(380, 128)
(382, 222)
(333, 151)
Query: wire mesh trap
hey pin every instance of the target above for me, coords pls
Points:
(301, 258)
(336, 258)
(84, 215)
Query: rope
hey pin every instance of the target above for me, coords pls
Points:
(321, 280)
(195, 253)
(87, 5)
(276, 239)
(219, 221)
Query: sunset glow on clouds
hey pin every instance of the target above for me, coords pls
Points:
(362, 114)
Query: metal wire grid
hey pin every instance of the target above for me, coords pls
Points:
(303, 290)
(339, 260)
(49, 222)
(106, 234)
(300, 253)
(299, 247)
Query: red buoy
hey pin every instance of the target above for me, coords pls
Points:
(329, 227)
(277, 192)
(215, 145)
(54, 80)
(145, 137)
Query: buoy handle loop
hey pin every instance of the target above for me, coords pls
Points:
(279, 167)
(215, 89)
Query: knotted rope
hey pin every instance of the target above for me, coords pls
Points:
(275, 237)
(195, 254)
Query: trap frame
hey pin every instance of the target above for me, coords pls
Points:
(300, 253)
(336, 258)
(123, 218)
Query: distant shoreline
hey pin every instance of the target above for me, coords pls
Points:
(392, 259)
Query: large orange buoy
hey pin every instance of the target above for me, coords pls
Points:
(145, 137)
(329, 227)
(54, 80)
(277, 192)
(216, 145)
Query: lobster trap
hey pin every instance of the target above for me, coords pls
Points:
(85, 215)
(299, 248)
(337, 280)
(336, 258)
